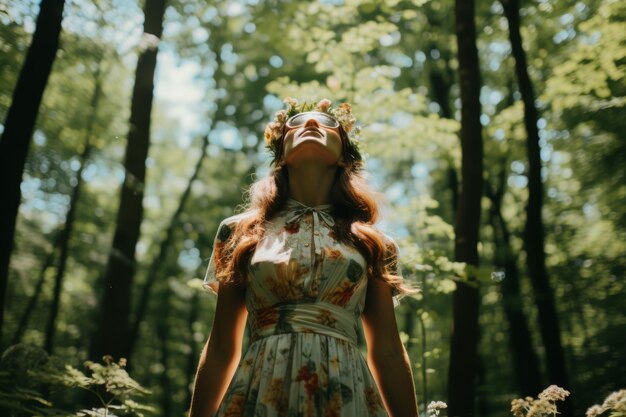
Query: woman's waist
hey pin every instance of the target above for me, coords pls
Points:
(315, 317)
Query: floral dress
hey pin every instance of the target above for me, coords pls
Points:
(304, 294)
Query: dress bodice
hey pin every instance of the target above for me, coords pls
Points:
(301, 278)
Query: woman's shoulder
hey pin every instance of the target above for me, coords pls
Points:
(228, 224)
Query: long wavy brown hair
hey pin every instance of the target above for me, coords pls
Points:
(354, 209)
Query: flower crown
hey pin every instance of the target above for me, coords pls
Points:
(275, 130)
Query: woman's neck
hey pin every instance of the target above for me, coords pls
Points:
(311, 183)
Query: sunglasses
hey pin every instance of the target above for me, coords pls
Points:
(321, 118)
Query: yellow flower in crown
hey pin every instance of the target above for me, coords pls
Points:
(275, 130)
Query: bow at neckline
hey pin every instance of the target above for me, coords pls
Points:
(296, 211)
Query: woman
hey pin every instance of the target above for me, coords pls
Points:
(305, 262)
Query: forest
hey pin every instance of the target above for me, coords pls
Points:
(131, 129)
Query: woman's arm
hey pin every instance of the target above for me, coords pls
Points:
(221, 353)
(386, 355)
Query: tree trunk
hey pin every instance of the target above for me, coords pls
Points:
(32, 302)
(66, 233)
(163, 247)
(464, 342)
(19, 126)
(525, 361)
(112, 334)
(534, 232)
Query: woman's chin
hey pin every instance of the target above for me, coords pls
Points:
(307, 140)
(311, 154)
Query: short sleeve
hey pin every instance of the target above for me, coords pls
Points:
(217, 261)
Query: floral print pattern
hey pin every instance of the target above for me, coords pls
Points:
(303, 309)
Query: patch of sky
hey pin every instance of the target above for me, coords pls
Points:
(390, 39)
(90, 172)
(589, 209)
(494, 64)
(227, 136)
(517, 181)
(213, 150)
(227, 55)
(263, 169)
(272, 102)
(500, 47)
(44, 166)
(496, 8)
(484, 119)
(276, 61)
(74, 165)
(50, 183)
(395, 191)
(209, 14)
(419, 170)
(518, 167)
(235, 8)
(377, 127)
(552, 192)
(190, 8)
(251, 140)
(230, 110)
(504, 24)
(401, 119)
(151, 202)
(420, 57)
(435, 54)
(546, 153)
(499, 134)
(60, 201)
(177, 86)
(564, 35)
(249, 27)
(434, 107)
(495, 97)
(566, 19)
(119, 175)
(567, 173)
(398, 59)
(541, 123)
(39, 138)
(199, 35)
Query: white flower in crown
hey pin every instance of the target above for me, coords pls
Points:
(291, 102)
(323, 105)
(344, 116)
